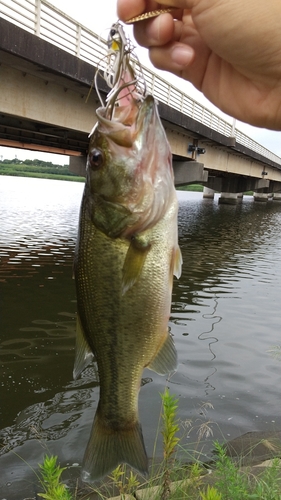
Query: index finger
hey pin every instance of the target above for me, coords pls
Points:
(126, 9)
(149, 15)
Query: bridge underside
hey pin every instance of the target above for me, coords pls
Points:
(29, 134)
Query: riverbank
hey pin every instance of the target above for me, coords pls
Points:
(45, 171)
(19, 172)
(247, 467)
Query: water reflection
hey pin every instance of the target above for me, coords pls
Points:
(226, 311)
(48, 420)
(225, 317)
(39, 223)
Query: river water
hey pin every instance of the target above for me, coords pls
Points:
(225, 320)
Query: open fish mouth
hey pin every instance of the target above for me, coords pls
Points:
(128, 112)
(122, 72)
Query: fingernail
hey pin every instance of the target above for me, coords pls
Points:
(182, 55)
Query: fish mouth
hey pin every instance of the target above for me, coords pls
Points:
(146, 116)
(129, 124)
(120, 116)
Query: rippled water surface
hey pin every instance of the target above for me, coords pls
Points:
(225, 319)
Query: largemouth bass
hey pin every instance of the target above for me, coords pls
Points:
(127, 253)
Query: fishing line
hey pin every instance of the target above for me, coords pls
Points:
(211, 316)
(214, 340)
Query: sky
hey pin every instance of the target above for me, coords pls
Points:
(99, 19)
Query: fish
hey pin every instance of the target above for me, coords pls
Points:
(126, 255)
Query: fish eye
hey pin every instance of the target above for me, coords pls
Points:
(96, 158)
(112, 32)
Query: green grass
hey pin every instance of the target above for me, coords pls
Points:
(234, 483)
(41, 172)
(47, 176)
(224, 479)
(191, 187)
(200, 188)
(46, 170)
(50, 481)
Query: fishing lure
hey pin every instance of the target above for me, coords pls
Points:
(121, 69)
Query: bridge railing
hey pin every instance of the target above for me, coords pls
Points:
(46, 21)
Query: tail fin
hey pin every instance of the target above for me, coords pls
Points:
(107, 448)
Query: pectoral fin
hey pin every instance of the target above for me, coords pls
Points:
(134, 262)
(83, 353)
(165, 360)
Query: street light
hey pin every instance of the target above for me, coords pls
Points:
(199, 151)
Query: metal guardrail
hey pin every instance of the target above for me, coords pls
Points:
(46, 21)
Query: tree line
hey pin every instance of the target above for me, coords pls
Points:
(37, 168)
(36, 163)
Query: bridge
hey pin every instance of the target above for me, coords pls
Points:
(48, 62)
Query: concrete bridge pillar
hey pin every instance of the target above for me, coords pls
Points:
(261, 197)
(208, 193)
(228, 198)
(277, 197)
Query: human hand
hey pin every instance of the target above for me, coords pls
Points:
(228, 49)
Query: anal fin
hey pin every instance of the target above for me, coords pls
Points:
(166, 359)
(177, 262)
(83, 353)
